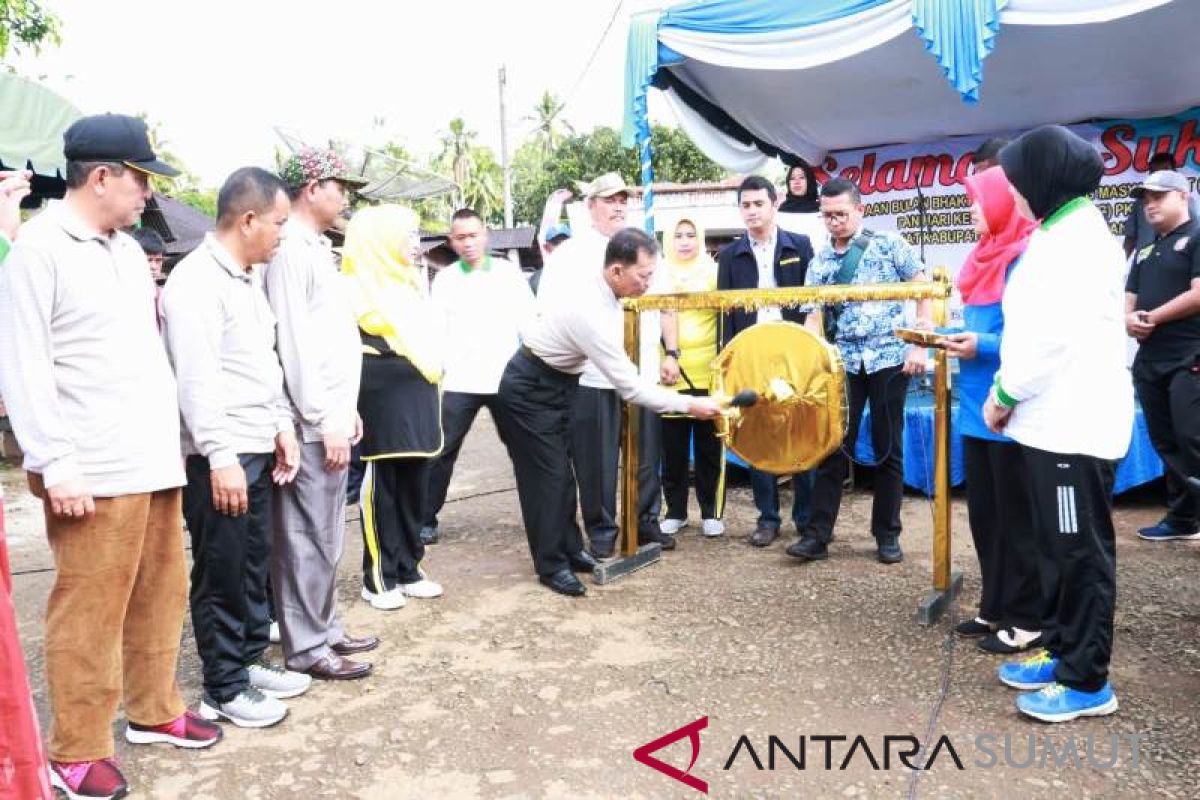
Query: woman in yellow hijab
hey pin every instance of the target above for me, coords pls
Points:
(399, 399)
(689, 268)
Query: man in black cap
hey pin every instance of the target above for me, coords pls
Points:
(1162, 311)
(93, 404)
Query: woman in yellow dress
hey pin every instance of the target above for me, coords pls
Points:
(399, 399)
(689, 268)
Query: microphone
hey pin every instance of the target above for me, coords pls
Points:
(744, 399)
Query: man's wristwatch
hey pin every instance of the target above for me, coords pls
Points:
(673, 354)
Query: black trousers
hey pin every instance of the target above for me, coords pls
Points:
(595, 455)
(230, 562)
(680, 436)
(1072, 500)
(458, 415)
(393, 493)
(649, 475)
(1170, 396)
(885, 390)
(534, 419)
(595, 458)
(1000, 510)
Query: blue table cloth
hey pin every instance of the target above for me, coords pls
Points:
(1140, 465)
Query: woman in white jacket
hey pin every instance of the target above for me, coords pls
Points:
(1064, 393)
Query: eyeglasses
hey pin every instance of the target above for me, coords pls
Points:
(835, 216)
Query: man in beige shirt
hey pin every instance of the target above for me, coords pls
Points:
(92, 401)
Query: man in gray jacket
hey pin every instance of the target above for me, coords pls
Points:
(238, 439)
(321, 354)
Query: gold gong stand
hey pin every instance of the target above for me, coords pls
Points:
(945, 585)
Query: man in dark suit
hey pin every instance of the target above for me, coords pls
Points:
(766, 257)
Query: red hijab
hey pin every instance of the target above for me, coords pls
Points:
(981, 279)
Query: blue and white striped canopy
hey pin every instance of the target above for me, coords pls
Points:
(749, 79)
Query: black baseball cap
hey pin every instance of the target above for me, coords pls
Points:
(117, 138)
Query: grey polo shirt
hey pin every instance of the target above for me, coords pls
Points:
(318, 341)
(220, 336)
(82, 369)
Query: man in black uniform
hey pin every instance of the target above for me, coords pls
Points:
(1162, 305)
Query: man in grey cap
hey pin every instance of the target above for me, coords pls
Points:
(596, 418)
(1162, 305)
(1138, 231)
(93, 403)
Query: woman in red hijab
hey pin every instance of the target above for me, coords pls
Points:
(1011, 605)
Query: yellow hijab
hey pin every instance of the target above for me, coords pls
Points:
(393, 299)
(696, 274)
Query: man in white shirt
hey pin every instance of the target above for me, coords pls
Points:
(93, 404)
(239, 438)
(537, 393)
(484, 301)
(596, 418)
(767, 257)
(321, 354)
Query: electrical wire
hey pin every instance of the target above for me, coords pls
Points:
(592, 58)
(949, 642)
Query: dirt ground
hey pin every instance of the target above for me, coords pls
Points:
(502, 689)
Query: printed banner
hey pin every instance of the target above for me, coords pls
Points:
(918, 190)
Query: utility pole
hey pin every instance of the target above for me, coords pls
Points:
(507, 179)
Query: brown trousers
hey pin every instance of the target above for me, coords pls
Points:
(114, 619)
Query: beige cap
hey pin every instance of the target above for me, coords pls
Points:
(607, 185)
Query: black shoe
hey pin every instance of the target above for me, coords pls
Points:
(763, 535)
(889, 551)
(647, 536)
(582, 561)
(429, 535)
(604, 548)
(974, 628)
(564, 582)
(808, 548)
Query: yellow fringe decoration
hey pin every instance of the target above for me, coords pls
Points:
(754, 299)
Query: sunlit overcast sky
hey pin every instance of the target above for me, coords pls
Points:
(219, 76)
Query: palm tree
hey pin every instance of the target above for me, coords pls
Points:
(548, 128)
(474, 169)
(457, 154)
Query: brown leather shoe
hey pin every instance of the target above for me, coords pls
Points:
(763, 535)
(349, 645)
(335, 668)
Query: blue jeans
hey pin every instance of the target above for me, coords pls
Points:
(766, 497)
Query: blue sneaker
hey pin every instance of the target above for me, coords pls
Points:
(1030, 674)
(1057, 703)
(1165, 532)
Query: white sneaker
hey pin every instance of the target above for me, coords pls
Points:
(672, 526)
(250, 709)
(384, 601)
(712, 527)
(275, 681)
(423, 588)
(274, 634)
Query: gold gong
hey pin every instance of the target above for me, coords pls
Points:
(800, 416)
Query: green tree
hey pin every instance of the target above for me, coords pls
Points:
(186, 187)
(25, 23)
(583, 156)
(549, 128)
(474, 169)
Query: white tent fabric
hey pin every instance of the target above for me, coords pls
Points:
(868, 79)
(726, 151)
